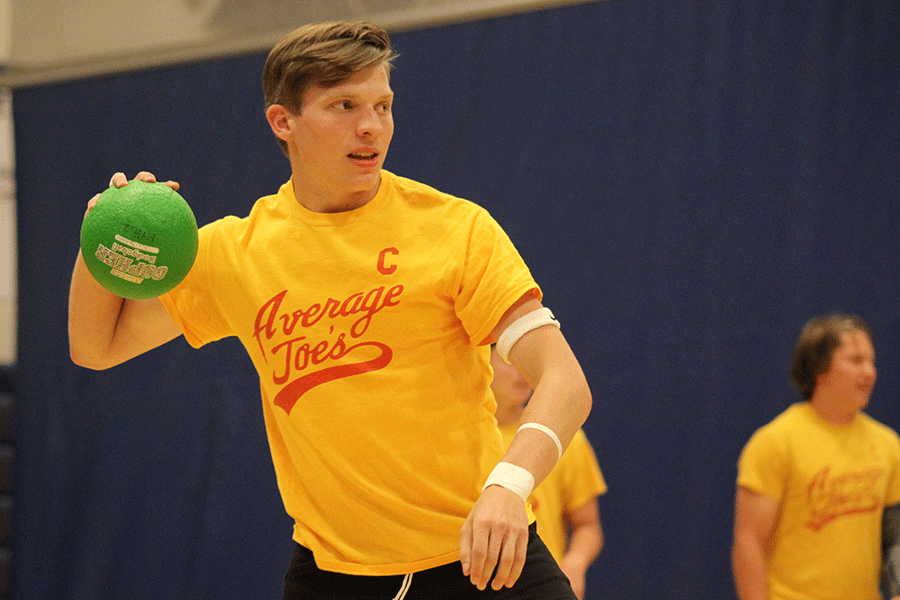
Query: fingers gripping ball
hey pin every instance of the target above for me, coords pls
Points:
(139, 241)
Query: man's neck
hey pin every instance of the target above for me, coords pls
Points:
(830, 412)
(320, 202)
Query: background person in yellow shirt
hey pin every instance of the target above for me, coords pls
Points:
(565, 503)
(815, 482)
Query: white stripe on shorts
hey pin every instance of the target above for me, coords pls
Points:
(407, 581)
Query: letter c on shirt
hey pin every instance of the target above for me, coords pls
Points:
(383, 268)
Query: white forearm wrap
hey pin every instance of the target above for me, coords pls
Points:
(548, 431)
(513, 478)
(520, 327)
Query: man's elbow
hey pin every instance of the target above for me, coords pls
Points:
(584, 399)
(88, 360)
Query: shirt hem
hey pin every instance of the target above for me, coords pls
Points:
(396, 569)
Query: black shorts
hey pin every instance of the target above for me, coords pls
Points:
(541, 579)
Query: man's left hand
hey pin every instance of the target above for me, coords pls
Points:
(495, 535)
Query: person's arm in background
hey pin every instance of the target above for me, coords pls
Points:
(890, 536)
(585, 544)
(755, 517)
(106, 329)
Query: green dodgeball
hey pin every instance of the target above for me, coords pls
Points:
(139, 241)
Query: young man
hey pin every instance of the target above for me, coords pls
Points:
(366, 302)
(565, 504)
(814, 483)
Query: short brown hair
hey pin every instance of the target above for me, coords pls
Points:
(323, 54)
(816, 345)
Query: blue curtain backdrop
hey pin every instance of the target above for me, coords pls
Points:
(690, 182)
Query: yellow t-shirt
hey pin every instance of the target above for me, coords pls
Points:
(367, 329)
(575, 480)
(832, 483)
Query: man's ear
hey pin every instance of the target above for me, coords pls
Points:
(280, 121)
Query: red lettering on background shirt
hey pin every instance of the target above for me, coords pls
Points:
(829, 498)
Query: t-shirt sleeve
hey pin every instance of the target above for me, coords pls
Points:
(762, 466)
(494, 278)
(892, 496)
(583, 478)
(191, 303)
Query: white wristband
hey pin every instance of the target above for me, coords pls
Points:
(513, 478)
(549, 432)
(521, 326)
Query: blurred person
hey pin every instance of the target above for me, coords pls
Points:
(816, 484)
